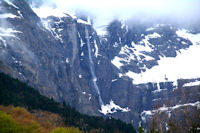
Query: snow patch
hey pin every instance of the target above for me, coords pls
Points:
(101, 31)
(156, 99)
(83, 22)
(184, 43)
(120, 75)
(80, 76)
(115, 45)
(175, 85)
(150, 29)
(114, 80)
(154, 35)
(112, 108)
(128, 52)
(8, 15)
(90, 96)
(82, 54)
(116, 62)
(145, 41)
(20, 13)
(82, 43)
(195, 83)
(67, 60)
(194, 38)
(145, 47)
(147, 58)
(55, 33)
(131, 53)
(158, 90)
(96, 49)
(8, 32)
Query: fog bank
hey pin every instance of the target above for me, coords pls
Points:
(104, 11)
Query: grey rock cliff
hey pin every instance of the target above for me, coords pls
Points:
(52, 55)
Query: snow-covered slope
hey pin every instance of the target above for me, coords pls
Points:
(183, 66)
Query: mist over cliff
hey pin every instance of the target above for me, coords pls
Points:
(103, 12)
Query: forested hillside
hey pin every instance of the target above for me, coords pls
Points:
(14, 92)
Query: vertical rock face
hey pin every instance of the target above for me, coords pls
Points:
(47, 55)
(65, 59)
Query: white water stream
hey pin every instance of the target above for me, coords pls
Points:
(94, 78)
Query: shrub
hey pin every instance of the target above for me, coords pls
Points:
(9, 125)
(17, 120)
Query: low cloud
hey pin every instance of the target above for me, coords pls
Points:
(104, 11)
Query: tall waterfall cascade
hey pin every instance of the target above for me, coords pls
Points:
(92, 69)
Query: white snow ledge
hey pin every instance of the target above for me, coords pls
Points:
(112, 108)
(169, 109)
(195, 83)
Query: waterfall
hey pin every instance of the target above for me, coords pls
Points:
(94, 78)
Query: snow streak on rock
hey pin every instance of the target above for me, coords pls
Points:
(168, 110)
(135, 51)
(8, 32)
(8, 15)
